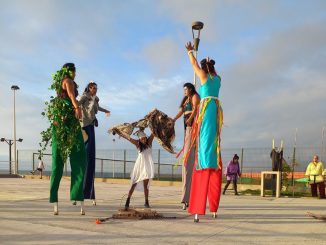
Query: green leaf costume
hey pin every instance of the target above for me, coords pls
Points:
(67, 140)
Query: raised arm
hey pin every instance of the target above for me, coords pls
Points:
(131, 140)
(68, 84)
(150, 139)
(193, 61)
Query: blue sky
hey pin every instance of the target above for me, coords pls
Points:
(271, 56)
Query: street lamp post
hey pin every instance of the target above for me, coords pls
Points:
(14, 88)
(196, 27)
(10, 142)
(293, 159)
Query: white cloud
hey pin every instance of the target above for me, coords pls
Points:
(279, 87)
(139, 93)
(163, 56)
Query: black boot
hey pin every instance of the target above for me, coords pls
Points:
(127, 203)
(236, 189)
(184, 206)
(146, 204)
(226, 186)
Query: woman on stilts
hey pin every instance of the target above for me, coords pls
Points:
(67, 140)
(188, 109)
(89, 103)
(207, 175)
(143, 170)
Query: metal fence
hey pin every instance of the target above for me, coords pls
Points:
(121, 167)
(119, 163)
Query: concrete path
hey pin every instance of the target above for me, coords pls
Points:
(26, 217)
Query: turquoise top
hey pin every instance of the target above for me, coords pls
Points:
(207, 149)
(188, 107)
(211, 87)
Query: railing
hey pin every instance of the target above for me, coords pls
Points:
(6, 167)
(120, 168)
(119, 163)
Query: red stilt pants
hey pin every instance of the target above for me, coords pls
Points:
(205, 183)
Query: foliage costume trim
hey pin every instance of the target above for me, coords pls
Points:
(67, 140)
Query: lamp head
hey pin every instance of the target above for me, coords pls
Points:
(2, 139)
(14, 87)
(196, 26)
(20, 140)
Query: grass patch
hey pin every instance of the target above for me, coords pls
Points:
(270, 193)
(296, 194)
(250, 181)
(250, 192)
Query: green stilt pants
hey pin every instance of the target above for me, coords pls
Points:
(78, 163)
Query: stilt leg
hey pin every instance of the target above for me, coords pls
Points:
(184, 206)
(196, 219)
(55, 209)
(82, 211)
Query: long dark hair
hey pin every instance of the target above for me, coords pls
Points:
(89, 85)
(141, 147)
(192, 91)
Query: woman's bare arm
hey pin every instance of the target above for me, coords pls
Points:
(193, 61)
(131, 140)
(180, 112)
(69, 86)
(195, 103)
(150, 139)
